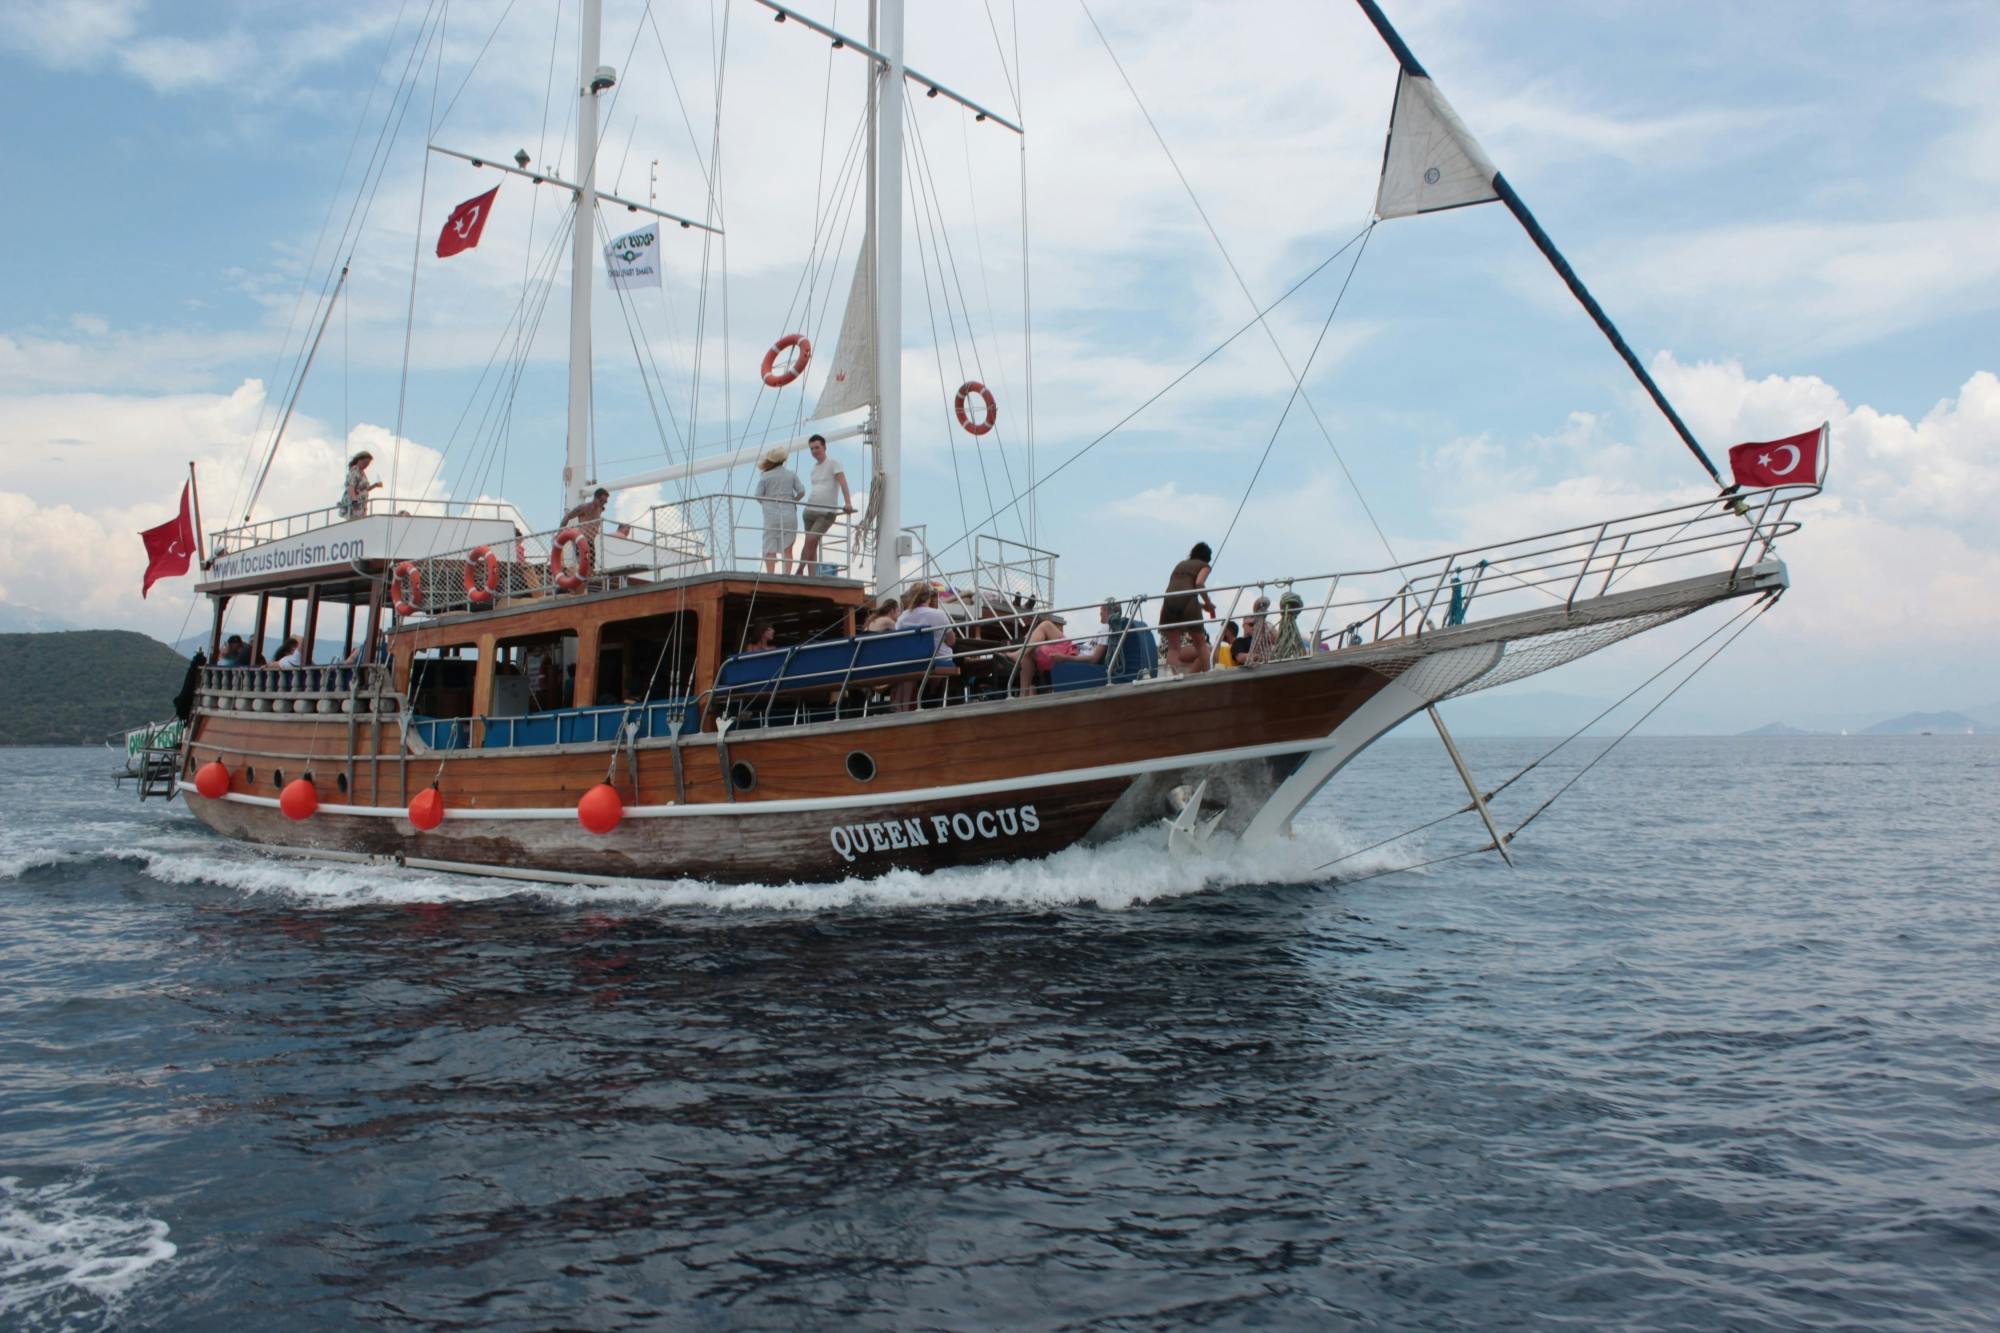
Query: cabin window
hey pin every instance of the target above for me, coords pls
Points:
(651, 657)
(441, 680)
(535, 673)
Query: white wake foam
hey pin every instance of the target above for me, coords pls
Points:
(59, 1242)
(1126, 873)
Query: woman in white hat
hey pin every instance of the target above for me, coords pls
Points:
(778, 490)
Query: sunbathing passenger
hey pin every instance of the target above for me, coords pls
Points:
(924, 613)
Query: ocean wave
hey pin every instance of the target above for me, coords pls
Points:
(66, 1254)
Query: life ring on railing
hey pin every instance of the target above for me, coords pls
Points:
(584, 560)
(778, 379)
(476, 592)
(965, 391)
(407, 587)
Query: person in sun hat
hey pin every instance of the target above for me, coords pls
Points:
(778, 490)
(354, 495)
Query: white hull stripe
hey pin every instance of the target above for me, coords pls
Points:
(818, 803)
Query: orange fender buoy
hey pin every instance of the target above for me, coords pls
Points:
(407, 587)
(600, 810)
(585, 559)
(984, 424)
(212, 780)
(427, 809)
(299, 799)
(802, 358)
(477, 592)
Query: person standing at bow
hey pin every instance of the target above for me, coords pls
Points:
(1183, 633)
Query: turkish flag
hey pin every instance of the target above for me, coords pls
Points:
(462, 228)
(1793, 460)
(169, 547)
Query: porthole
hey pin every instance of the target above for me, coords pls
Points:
(250, 775)
(340, 781)
(278, 778)
(742, 776)
(860, 766)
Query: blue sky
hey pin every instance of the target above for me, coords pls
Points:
(1793, 210)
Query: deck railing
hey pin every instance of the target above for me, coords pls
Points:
(334, 688)
(232, 540)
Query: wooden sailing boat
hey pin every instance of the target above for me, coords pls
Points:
(571, 705)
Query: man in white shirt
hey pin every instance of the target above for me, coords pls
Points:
(827, 487)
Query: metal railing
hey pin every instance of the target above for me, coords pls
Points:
(232, 540)
(1325, 613)
(724, 533)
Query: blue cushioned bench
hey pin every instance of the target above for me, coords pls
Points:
(1138, 656)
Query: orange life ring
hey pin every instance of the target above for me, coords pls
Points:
(779, 379)
(965, 391)
(584, 560)
(477, 592)
(408, 576)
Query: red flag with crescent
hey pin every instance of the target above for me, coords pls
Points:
(169, 547)
(467, 221)
(1793, 460)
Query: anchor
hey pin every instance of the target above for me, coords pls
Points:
(1187, 832)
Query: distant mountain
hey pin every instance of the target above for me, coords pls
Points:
(1779, 729)
(1944, 724)
(1504, 712)
(29, 620)
(79, 686)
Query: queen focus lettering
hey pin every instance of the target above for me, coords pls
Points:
(853, 841)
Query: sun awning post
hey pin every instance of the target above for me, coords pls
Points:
(1471, 787)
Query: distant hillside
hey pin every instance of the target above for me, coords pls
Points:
(77, 687)
(1943, 724)
(1779, 729)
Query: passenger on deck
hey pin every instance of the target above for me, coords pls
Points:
(1225, 645)
(589, 516)
(827, 479)
(288, 653)
(1046, 643)
(779, 492)
(761, 637)
(1183, 635)
(881, 619)
(354, 494)
(924, 613)
(234, 652)
(1258, 634)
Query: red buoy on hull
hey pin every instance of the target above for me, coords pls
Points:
(600, 810)
(299, 799)
(212, 780)
(427, 809)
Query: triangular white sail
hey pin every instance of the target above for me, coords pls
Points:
(1432, 161)
(850, 383)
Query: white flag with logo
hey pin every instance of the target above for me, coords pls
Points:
(633, 260)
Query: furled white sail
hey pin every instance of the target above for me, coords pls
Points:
(1432, 161)
(850, 383)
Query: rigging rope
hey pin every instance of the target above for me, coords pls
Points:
(1755, 611)
(1242, 286)
(1297, 389)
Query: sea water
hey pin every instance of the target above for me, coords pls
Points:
(1721, 1050)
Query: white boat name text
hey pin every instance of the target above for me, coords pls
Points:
(889, 835)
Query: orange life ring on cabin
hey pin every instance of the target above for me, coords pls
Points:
(584, 560)
(965, 391)
(407, 577)
(476, 592)
(779, 379)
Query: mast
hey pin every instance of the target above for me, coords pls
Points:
(886, 21)
(591, 80)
